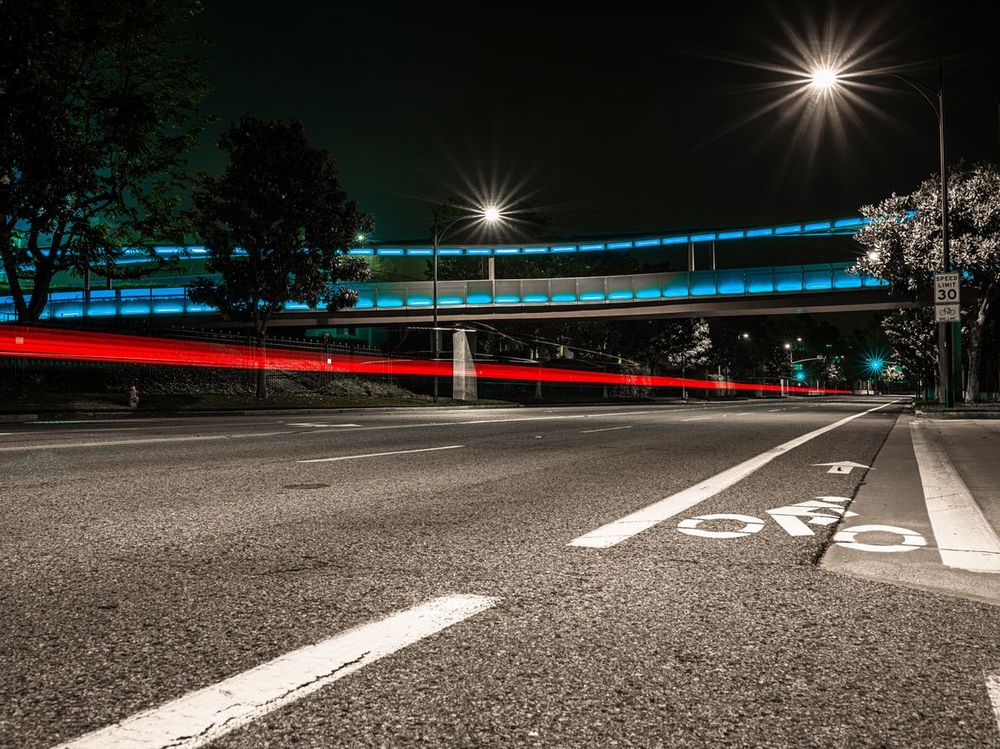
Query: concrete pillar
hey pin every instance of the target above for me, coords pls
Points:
(464, 384)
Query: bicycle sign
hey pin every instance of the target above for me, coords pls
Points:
(947, 297)
(795, 521)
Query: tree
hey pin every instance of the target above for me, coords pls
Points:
(97, 109)
(676, 343)
(906, 253)
(913, 337)
(277, 226)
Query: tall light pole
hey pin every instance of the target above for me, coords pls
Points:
(489, 214)
(949, 333)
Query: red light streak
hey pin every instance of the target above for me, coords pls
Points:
(76, 345)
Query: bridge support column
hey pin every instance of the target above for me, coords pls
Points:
(464, 385)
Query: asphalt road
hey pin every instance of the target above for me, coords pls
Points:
(145, 560)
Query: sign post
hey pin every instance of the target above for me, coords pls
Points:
(947, 313)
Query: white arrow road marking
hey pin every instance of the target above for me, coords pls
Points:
(379, 455)
(993, 689)
(965, 539)
(842, 466)
(615, 532)
(203, 716)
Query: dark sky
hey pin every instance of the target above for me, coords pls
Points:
(623, 118)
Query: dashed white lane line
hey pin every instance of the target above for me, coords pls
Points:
(203, 716)
(606, 429)
(993, 689)
(697, 418)
(612, 533)
(965, 538)
(379, 455)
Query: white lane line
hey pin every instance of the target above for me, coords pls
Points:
(325, 426)
(773, 410)
(151, 440)
(203, 716)
(606, 429)
(965, 538)
(993, 689)
(381, 427)
(379, 455)
(5, 434)
(628, 526)
(697, 418)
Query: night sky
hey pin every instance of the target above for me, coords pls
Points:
(621, 119)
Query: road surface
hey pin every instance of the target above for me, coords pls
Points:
(503, 577)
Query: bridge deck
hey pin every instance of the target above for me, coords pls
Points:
(558, 297)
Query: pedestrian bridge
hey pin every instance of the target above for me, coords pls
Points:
(789, 289)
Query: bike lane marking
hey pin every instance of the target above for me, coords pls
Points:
(624, 528)
(204, 715)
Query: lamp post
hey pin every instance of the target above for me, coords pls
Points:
(949, 334)
(490, 214)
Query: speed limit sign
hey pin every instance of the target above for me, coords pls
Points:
(947, 302)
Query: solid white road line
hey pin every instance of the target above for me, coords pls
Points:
(965, 538)
(993, 689)
(325, 426)
(628, 526)
(151, 440)
(606, 429)
(203, 716)
(379, 455)
(697, 418)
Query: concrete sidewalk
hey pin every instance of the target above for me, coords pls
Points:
(933, 497)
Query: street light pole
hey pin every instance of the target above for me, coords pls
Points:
(435, 342)
(489, 214)
(949, 334)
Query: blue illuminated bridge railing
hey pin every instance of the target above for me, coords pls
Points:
(552, 292)
(825, 227)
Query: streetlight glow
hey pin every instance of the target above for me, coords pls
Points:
(491, 213)
(824, 79)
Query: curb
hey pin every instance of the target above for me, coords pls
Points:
(17, 418)
(959, 414)
(126, 415)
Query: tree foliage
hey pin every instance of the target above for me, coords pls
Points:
(906, 253)
(277, 225)
(97, 109)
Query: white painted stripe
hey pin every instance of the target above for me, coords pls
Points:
(774, 410)
(5, 434)
(606, 429)
(697, 418)
(149, 441)
(965, 538)
(993, 690)
(628, 526)
(379, 455)
(203, 716)
(325, 426)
